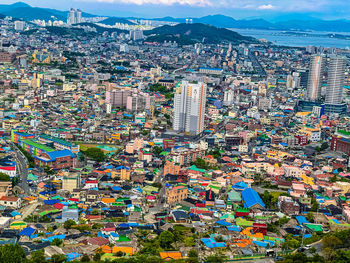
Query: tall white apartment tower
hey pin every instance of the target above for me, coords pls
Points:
(315, 77)
(71, 17)
(335, 83)
(74, 17)
(189, 107)
(78, 16)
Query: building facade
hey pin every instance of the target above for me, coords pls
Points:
(335, 83)
(315, 77)
(189, 107)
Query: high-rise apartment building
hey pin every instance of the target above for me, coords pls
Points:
(19, 25)
(136, 34)
(189, 107)
(229, 96)
(78, 16)
(74, 16)
(315, 77)
(118, 98)
(140, 102)
(71, 17)
(335, 83)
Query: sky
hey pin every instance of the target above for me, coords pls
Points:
(268, 9)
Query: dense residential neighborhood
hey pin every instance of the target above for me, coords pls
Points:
(115, 148)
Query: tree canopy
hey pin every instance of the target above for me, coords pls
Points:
(95, 154)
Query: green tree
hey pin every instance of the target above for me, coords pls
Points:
(57, 242)
(97, 226)
(324, 146)
(95, 212)
(189, 242)
(12, 253)
(157, 184)
(69, 223)
(215, 259)
(166, 238)
(4, 177)
(58, 258)
(314, 206)
(312, 250)
(193, 253)
(157, 150)
(85, 258)
(97, 257)
(145, 132)
(38, 257)
(331, 242)
(310, 217)
(95, 154)
(120, 254)
(291, 242)
(342, 256)
(192, 260)
(15, 181)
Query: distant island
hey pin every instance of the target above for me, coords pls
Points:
(187, 34)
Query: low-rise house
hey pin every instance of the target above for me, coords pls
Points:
(11, 201)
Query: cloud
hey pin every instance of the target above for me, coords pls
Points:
(266, 7)
(162, 2)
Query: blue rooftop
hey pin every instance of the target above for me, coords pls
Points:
(251, 198)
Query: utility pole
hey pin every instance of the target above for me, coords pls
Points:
(302, 233)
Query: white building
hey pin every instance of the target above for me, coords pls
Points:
(211, 71)
(19, 25)
(136, 34)
(315, 77)
(124, 48)
(74, 17)
(336, 75)
(229, 96)
(189, 107)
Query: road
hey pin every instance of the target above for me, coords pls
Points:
(203, 135)
(29, 209)
(256, 64)
(158, 206)
(22, 171)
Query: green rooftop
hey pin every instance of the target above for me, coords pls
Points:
(44, 213)
(38, 145)
(314, 227)
(346, 133)
(123, 239)
(55, 139)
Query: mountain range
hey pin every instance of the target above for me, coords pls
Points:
(288, 22)
(259, 23)
(24, 11)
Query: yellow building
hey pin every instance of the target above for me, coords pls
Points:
(18, 225)
(307, 180)
(344, 186)
(115, 137)
(10, 124)
(70, 182)
(123, 173)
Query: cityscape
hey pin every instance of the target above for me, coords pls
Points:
(188, 139)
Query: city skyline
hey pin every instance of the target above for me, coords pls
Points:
(269, 10)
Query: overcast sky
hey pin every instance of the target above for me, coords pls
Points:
(328, 9)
